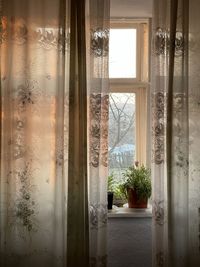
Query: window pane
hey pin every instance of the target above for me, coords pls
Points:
(122, 53)
(121, 132)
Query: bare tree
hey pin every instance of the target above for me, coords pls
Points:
(121, 120)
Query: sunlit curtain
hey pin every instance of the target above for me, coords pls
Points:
(176, 133)
(98, 99)
(54, 114)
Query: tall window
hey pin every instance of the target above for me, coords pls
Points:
(128, 72)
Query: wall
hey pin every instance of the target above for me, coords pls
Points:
(131, 8)
(129, 242)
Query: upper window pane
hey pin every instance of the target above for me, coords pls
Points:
(122, 53)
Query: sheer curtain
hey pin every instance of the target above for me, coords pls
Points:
(176, 128)
(52, 191)
(98, 87)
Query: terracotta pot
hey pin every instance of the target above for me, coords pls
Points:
(134, 201)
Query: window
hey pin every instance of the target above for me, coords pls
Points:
(128, 73)
(121, 131)
(122, 56)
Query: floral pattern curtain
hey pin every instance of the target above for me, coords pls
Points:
(176, 128)
(98, 86)
(54, 109)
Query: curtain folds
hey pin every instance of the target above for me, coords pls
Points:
(175, 168)
(54, 113)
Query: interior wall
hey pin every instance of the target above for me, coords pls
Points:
(131, 8)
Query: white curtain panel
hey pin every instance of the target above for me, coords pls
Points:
(176, 133)
(54, 109)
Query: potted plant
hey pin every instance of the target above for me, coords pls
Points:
(110, 191)
(137, 186)
(119, 198)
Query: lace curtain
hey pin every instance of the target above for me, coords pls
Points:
(176, 129)
(54, 109)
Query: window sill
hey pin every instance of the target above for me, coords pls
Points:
(126, 212)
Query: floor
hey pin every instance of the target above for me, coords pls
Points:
(129, 242)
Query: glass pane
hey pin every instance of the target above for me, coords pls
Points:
(122, 53)
(121, 133)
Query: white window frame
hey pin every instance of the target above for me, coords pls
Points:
(138, 85)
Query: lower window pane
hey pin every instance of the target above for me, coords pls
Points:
(121, 133)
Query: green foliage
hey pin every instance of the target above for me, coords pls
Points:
(116, 188)
(111, 183)
(119, 193)
(139, 179)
